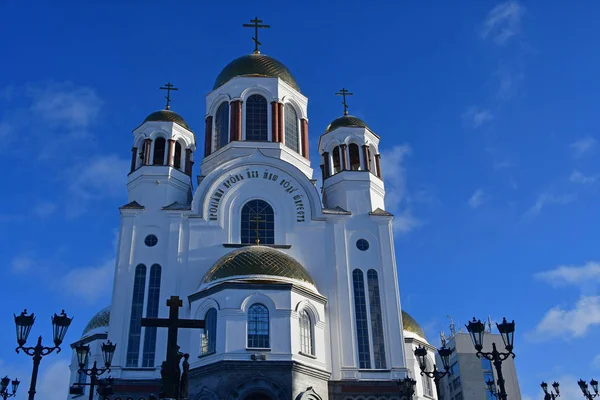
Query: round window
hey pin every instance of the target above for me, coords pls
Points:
(362, 244)
(151, 240)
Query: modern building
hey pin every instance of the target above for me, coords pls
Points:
(297, 286)
(469, 374)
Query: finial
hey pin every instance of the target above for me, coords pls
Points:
(344, 92)
(256, 24)
(168, 87)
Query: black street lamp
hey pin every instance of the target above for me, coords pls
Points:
(83, 351)
(437, 375)
(586, 391)
(407, 388)
(24, 323)
(4, 387)
(507, 330)
(551, 395)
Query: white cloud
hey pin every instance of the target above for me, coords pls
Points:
(101, 276)
(572, 274)
(578, 177)
(583, 146)
(477, 199)
(22, 263)
(475, 117)
(503, 164)
(54, 381)
(44, 209)
(508, 84)
(546, 199)
(503, 22)
(570, 323)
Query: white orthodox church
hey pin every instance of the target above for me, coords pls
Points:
(297, 284)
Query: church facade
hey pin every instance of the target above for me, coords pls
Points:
(297, 284)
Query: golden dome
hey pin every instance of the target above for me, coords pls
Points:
(167, 116)
(346, 120)
(409, 324)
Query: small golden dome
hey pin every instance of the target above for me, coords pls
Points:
(409, 324)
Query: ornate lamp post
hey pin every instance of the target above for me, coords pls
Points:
(407, 388)
(586, 391)
(551, 395)
(437, 375)
(108, 351)
(4, 387)
(24, 322)
(507, 329)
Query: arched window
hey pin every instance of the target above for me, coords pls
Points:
(426, 381)
(336, 160)
(256, 118)
(306, 334)
(135, 322)
(376, 320)
(159, 152)
(208, 340)
(354, 157)
(177, 157)
(258, 222)
(291, 128)
(258, 326)
(362, 323)
(222, 126)
(151, 312)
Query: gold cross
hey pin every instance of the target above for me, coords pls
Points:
(168, 87)
(257, 219)
(344, 92)
(256, 24)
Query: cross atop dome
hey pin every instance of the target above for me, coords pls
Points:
(256, 24)
(168, 87)
(344, 92)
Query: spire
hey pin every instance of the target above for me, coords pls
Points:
(256, 24)
(344, 92)
(168, 87)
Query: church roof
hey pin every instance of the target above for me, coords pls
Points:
(257, 260)
(167, 116)
(409, 324)
(99, 320)
(256, 65)
(346, 120)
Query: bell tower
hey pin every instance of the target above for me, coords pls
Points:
(162, 159)
(350, 164)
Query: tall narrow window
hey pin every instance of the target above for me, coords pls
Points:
(135, 322)
(354, 157)
(306, 333)
(222, 126)
(258, 222)
(208, 339)
(336, 160)
(258, 326)
(159, 152)
(427, 386)
(177, 157)
(376, 320)
(151, 312)
(362, 324)
(256, 118)
(291, 128)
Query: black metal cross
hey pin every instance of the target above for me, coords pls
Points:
(168, 87)
(257, 219)
(344, 92)
(173, 323)
(256, 24)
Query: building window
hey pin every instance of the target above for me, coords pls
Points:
(453, 369)
(368, 163)
(362, 323)
(306, 333)
(177, 156)
(336, 160)
(427, 386)
(376, 320)
(291, 128)
(456, 383)
(256, 118)
(159, 151)
(354, 157)
(222, 126)
(258, 327)
(151, 240)
(151, 312)
(258, 222)
(137, 308)
(362, 245)
(209, 334)
(81, 376)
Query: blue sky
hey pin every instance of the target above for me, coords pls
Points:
(487, 113)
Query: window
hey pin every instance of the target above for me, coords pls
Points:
(222, 126)
(362, 245)
(151, 240)
(453, 369)
(209, 334)
(427, 387)
(486, 364)
(159, 152)
(354, 157)
(489, 376)
(456, 383)
(81, 376)
(291, 128)
(336, 160)
(362, 324)
(256, 118)
(151, 312)
(258, 327)
(177, 156)
(306, 333)
(137, 307)
(258, 222)
(376, 320)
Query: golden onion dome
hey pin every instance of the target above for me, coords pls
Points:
(409, 324)
(257, 260)
(167, 116)
(256, 65)
(101, 319)
(346, 121)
